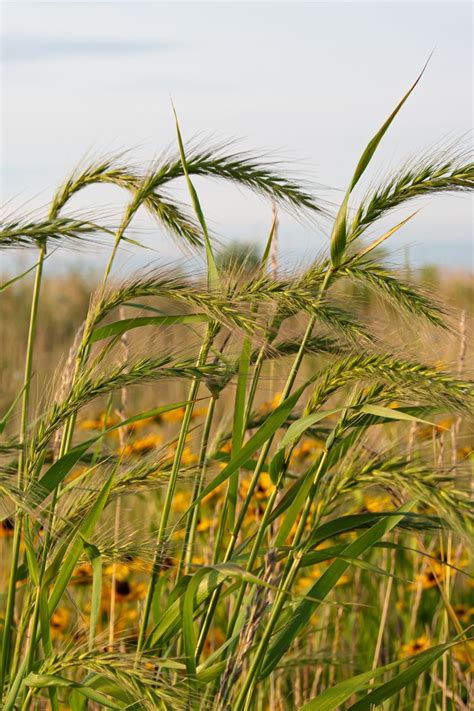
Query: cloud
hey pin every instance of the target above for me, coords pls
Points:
(25, 49)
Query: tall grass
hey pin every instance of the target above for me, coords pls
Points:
(285, 526)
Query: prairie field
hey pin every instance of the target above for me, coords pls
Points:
(243, 488)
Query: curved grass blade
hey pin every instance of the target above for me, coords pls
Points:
(48, 681)
(421, 663)
(269, 427)
(323, 586)
(339, 232)
(61, 468)
(212, 271)
(93, 554)
(118, 328)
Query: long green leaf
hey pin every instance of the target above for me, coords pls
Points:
(93, 554)
(419, 664)
(61, 468)
(238, 426)
(117, 328)
(323, 586)
(85, 531)
(212, 271)
(171, 617)
(47, 681)
(339, 233)
(333, 697)
(265, 431)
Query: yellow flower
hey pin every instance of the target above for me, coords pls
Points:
(173, 415)
(426, 580)
(181, 501)
(127, 590)
(205, 524)
(294, 528)
(59, 621)
(122, 570)
(101, 423)
(178, 414)
(276, 400)
(216, 493)
(308, 448)
(76, 473)
(464, 654)
(226, 447)
(463, 613)
(213, 640)
(465, 452)
(263, 489)
(197, 560)
(82, 574)
(141, 424)
(127, 619)
(440, 428)
(89, 425)
(304, 583)
(415, 646)
(143, 445)
(377, 504)
(188, 457)
(7, 527)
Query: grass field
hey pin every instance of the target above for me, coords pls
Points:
(245, 489)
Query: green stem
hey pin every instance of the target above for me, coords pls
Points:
(193, 517)
(65, 446)
(254, 481)
(203, 353)
(10, 607)
(290, 571)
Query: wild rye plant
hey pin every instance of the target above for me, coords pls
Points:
(267, 491)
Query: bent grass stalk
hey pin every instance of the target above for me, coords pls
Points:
(333, 477)
(253, 483)
(66, 442)
(186, 557)
(170, 492)
(10, 606)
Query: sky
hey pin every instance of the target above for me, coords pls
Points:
(308, 82)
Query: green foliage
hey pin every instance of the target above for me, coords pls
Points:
(259, 551)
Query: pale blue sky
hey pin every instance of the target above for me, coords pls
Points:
(311, 81)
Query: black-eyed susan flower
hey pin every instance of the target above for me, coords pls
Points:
(307, 449)
(263, 489)
(378, 503)
(464, 613)
(214, 640)
(7, 527)
(104, 420)
(143, 445)
(206, 524)
(464, 654)
(426, 580)
(82, 574)
(181, 501)
(59, 622)
(415, 646)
